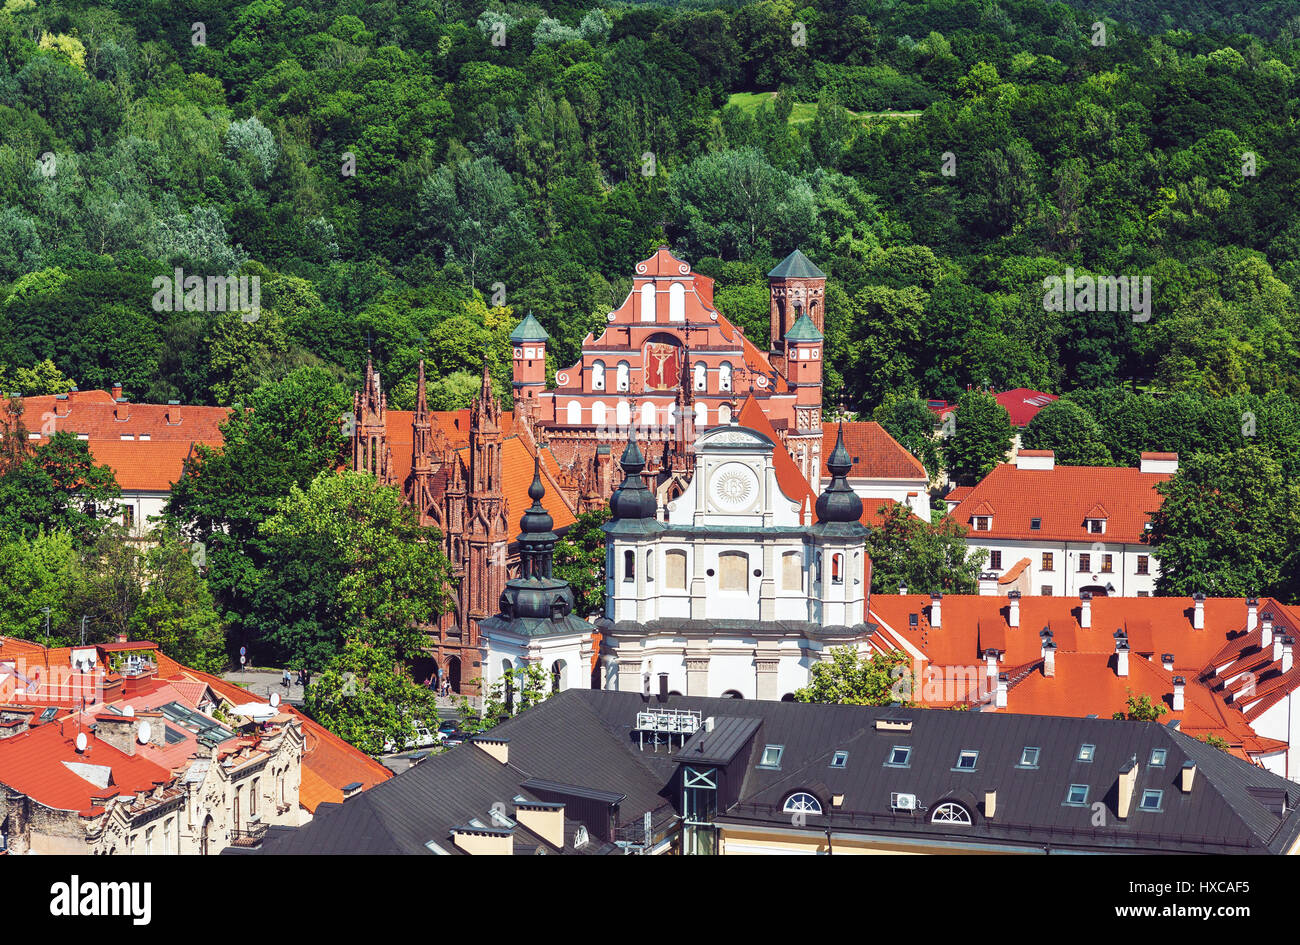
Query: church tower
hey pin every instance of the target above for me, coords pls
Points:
(841, 580)
(370, 452)
(487, 535)
(419, 487)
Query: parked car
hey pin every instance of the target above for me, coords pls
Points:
(423, 738)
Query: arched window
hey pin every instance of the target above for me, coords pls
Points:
(557, 675)
(624, 375)
(802, 803)
(649, 566)
(647, 414)
(598, 375)
(622, 413)
(675, 570)
(817, 579)
(629, 565)
(575, 412)
(724, 413)
(733, 571)
(648, 302)
(508, 684)
(700, 374)
(701, 415)
(837, 569)
(598, 413)
(950, 812)
(724, 376)
(792, 571)
(677, 302)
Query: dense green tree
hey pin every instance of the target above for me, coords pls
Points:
(927, 559)
(850, 679)
(1069, 430)
(979, 439)
(580, 560)
(1228, 527)
(58, 486)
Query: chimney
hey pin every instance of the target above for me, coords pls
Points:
(902, 589)
(990, 804)
(1266, 630)
(1121, 657)
(117, 390)
(1036, 459)
(1252, 613)
(991, 662)
(1278, 639)
(117, 730)
(936, 604)
(498, 748)
(1287, 644)
(545, 820)
(351, 790)
(1189, 775)
(1127, 783)
(122, 411)
(62, 406)
(1000, 699)
(1013, 616)
(1180, 687)
(1167, 661)
(1085, 609)
(1166, 463)
(1049, 659)
(1198, 613)
(173, 413)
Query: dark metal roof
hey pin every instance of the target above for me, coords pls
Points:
(796, 266)
(720, 746)
(582, 744)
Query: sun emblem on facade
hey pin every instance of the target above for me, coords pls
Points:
(734, 486)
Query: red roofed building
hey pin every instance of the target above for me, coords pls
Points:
(1022, 405)
(1079, 528)
(883, 472)
(1077, 657)
(146, 445)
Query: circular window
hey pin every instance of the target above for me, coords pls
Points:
(758, 572)
(709, 572)
(950, 813)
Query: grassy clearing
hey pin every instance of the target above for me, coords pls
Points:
(750, 102)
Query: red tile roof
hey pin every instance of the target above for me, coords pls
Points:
(876, 454)
(1085, 681)
(788, 476)
(1062, 498)
(36, 763)
(97, 416)
(151, 466)
(1022, 404)
(329, 764)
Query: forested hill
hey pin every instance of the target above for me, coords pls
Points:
(1266, 18)
(418, 174)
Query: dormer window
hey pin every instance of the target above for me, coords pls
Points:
(1035, 524)
(1096, 526)
(983, 523)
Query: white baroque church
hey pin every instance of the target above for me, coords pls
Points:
(727, 590)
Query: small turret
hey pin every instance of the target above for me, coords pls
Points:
(839, 503)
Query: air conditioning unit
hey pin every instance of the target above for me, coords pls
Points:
(902, 801)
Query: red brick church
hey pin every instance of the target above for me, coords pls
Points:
(668, 362)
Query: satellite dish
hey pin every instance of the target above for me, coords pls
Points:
(275, 699)
(81, 741)
(145, 731)
(128, 712)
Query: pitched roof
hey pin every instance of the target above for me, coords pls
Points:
(788, 477)
(803, 329)
(1021, 404)
(599, 756)
(97, 417)
(149, 466)
(529, 329)
(876, 454)
(43, 764)
(1062, 497)
(796, 266)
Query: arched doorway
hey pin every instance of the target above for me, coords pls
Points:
(425, 671)
(453, 674)
(204, 834)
